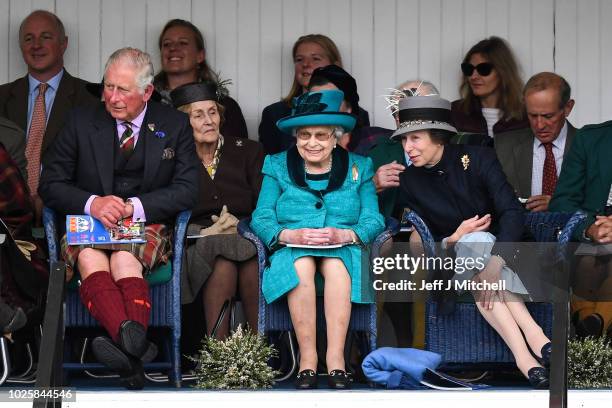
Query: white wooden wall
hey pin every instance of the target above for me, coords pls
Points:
(382, 42)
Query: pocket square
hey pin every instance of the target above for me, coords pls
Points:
(168, 153)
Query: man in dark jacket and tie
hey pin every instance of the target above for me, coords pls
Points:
(129, 158)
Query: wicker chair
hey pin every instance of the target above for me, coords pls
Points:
(276, 317)
(165, 302)
(463, 337)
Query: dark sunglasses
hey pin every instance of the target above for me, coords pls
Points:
(483, 69)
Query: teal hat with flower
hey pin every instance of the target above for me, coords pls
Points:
(320, 108)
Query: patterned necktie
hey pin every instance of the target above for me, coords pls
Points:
(38, 124)
(126, 143)
(549, 175)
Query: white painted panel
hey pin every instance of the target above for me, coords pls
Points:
(384, 60)
(18, 9)
(226, 41)
(293, 27)
(566, 63)
(203, 16)
(430, 40)
(112, 29)
(270, 62)
(89, 64)
(382, 42)
(180, 9)
(497, 18)
(452, 49)
(134, 28)
(406, 42)
(247, 86)
(340, 29)
(542, 39)
(588, 86)
(4, 41)
(157, 16)
(474, 17)
(362, 63)
(317, 15)
(520, 33)
(605, 16)
(68, 12)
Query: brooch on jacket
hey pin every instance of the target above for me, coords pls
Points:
(168, 154)
(465, 160)
(159, 134)
(355, 172)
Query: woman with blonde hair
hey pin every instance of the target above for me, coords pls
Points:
(491, 91)
(309, 52)
(183, 60)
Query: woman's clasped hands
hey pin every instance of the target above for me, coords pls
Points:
(317, 236)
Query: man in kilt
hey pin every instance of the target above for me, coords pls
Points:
(127, 157)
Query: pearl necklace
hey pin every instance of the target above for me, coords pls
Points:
(327, 169)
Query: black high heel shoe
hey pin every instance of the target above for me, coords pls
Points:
(306, 380)
(339, 380)
(546, 353)
(538, 378)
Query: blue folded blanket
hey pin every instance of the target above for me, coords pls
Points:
(399, 367)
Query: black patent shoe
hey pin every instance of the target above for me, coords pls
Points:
(546, 353)
(129, 368)
(306, 380)
(339, 380)
(538, 378)
(133, 341)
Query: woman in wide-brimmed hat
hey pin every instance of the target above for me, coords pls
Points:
(463, 196)
(317, 212)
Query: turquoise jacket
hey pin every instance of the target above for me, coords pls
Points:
(287, 201)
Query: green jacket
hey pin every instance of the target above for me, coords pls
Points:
(383, 153)
(586, 175)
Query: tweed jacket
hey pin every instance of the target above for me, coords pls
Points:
(236, 184)
(586, 175)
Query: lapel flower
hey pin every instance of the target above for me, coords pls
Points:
(160, 134)
(151, 127)
(465, 160)
(239, 143)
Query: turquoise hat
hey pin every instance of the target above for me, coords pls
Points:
(320, 108)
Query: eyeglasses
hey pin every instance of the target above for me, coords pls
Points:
(483, 69)
(320, 136)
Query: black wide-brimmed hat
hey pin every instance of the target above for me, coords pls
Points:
(423, 113)
(343, 81)
(194, 92)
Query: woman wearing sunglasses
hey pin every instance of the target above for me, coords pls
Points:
(491, 92)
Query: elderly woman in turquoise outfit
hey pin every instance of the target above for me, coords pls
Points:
(317, 212)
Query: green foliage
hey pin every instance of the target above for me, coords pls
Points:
(589, 363)
(238, 362)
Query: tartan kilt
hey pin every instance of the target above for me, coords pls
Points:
(157, 250)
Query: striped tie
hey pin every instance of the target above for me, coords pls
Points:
(35, 139)
(126, 143)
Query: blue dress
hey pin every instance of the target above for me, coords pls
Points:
(289, 200)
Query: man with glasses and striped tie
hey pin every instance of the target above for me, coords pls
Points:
(127, 158)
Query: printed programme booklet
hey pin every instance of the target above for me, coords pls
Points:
(85, 229)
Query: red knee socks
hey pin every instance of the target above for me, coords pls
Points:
(136, 299)
(104, 301)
